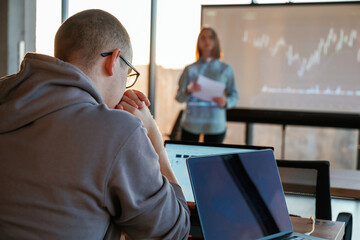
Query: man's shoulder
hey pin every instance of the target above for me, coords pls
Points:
(113, 118)
(98, 121)
(102, 127)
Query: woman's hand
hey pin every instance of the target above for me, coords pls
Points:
(220, 101)
(193, 87)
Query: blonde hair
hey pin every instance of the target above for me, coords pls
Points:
(216, 52)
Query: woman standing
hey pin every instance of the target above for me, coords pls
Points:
(206, 117)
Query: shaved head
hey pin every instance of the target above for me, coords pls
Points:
(85, 35)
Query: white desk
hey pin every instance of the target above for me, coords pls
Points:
(325, 229)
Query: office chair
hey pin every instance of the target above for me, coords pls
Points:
(312, 178)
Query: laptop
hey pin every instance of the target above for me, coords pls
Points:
(179, 151)
(239, 196)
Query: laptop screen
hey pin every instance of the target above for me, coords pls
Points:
(179, 151)
(239, 196)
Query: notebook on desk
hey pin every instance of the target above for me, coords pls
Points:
(239, 196)
(179, 151)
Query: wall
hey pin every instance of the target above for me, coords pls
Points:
(17, 26)
(3, 37)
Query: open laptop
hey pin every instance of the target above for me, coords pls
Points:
(239, 196)
(179, 151)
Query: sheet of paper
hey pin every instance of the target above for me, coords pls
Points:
(209, 88)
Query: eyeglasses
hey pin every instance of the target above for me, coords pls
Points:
(132, 76)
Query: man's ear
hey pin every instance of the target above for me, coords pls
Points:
(110, 61)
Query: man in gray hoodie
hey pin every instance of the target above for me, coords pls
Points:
(80, 157)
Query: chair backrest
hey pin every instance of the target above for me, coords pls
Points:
(309, 178)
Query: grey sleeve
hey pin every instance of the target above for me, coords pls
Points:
(231, 91)
(143, 203)
(184, 80)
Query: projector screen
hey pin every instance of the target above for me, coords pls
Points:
(295, 57)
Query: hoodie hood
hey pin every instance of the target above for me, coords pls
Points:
(43, 85)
